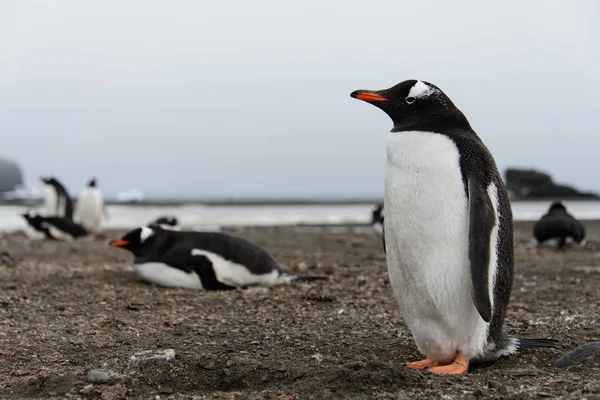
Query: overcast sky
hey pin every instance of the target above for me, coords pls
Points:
(252, 98)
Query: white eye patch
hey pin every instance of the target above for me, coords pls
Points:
(145, 233)
(420, 89)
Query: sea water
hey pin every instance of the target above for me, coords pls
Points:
(207, 217)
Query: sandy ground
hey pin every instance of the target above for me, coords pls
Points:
(66, 309)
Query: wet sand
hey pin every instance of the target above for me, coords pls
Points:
(68, 308)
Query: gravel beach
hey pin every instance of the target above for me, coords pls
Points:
(75, 322)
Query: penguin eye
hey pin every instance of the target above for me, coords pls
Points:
(410, 100)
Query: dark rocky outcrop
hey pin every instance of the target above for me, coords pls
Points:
(529, 184)
(10, 175)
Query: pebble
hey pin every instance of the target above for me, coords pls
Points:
(87, 389)
(152, 356)
(577, 355)
(317, 357)
(98, 376)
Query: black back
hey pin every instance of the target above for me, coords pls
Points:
(66, 225)
(165, 220)
(376, 215)
(436, 113)
(557, 223)
(61, 192)
(40, 223)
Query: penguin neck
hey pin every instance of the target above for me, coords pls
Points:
(433, 123)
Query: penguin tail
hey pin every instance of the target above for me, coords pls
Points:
(523, 343)
(288, 278)
(308, 278)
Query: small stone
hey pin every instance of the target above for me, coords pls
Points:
(98, 376)
(210, 365)
(87, 389)
(152, 356)
(226, 372)
(577, 355)
(317, 357)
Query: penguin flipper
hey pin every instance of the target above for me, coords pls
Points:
(482, 220)
(383, 237)
(204, 268)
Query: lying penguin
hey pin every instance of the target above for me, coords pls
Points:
(53, 228)
(448, 223)
(167, 222)
(201, 260)
(558, 227)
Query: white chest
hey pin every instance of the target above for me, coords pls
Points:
(164, 275)
(426, 234)
(425, 198)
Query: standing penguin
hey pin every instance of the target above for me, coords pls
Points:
(377, 217)
(558, 225)
(90, 207)
(448, 231)
(57, 201)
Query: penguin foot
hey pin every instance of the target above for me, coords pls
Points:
(458, 366)
(420, 365)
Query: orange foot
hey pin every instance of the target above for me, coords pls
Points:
(420, 365)
(458, 366)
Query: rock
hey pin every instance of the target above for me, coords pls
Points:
(317, 357)
(532, 184)
(6, 259)
(152, 356)
(587, 269)
(211, 365)
(577, 355)
(10, 175)
(98, 376)
(87, 389)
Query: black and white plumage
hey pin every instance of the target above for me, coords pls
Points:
(57, 201)
(201, 260)
(557, 225)
(377, 217)
(53, 228)
(167, 222)
(448, 230)
(90, 209)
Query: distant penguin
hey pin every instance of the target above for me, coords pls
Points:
(377, 218)
(448, 230)
(201, 260)
(557, 225)
(167, 222)
(89, 209)
(57, 201)
(53, 228)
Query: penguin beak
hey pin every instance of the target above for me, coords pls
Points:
(119, 243)
(367, 95)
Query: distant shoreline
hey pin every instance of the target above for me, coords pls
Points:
(270, 202)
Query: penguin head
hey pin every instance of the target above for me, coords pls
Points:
(33, 219)
(415, 105)
(558, 207)
(141, 241)
(48, 180)
(92, 182)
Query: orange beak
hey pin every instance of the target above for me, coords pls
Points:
(368, 96)
(119, 243)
